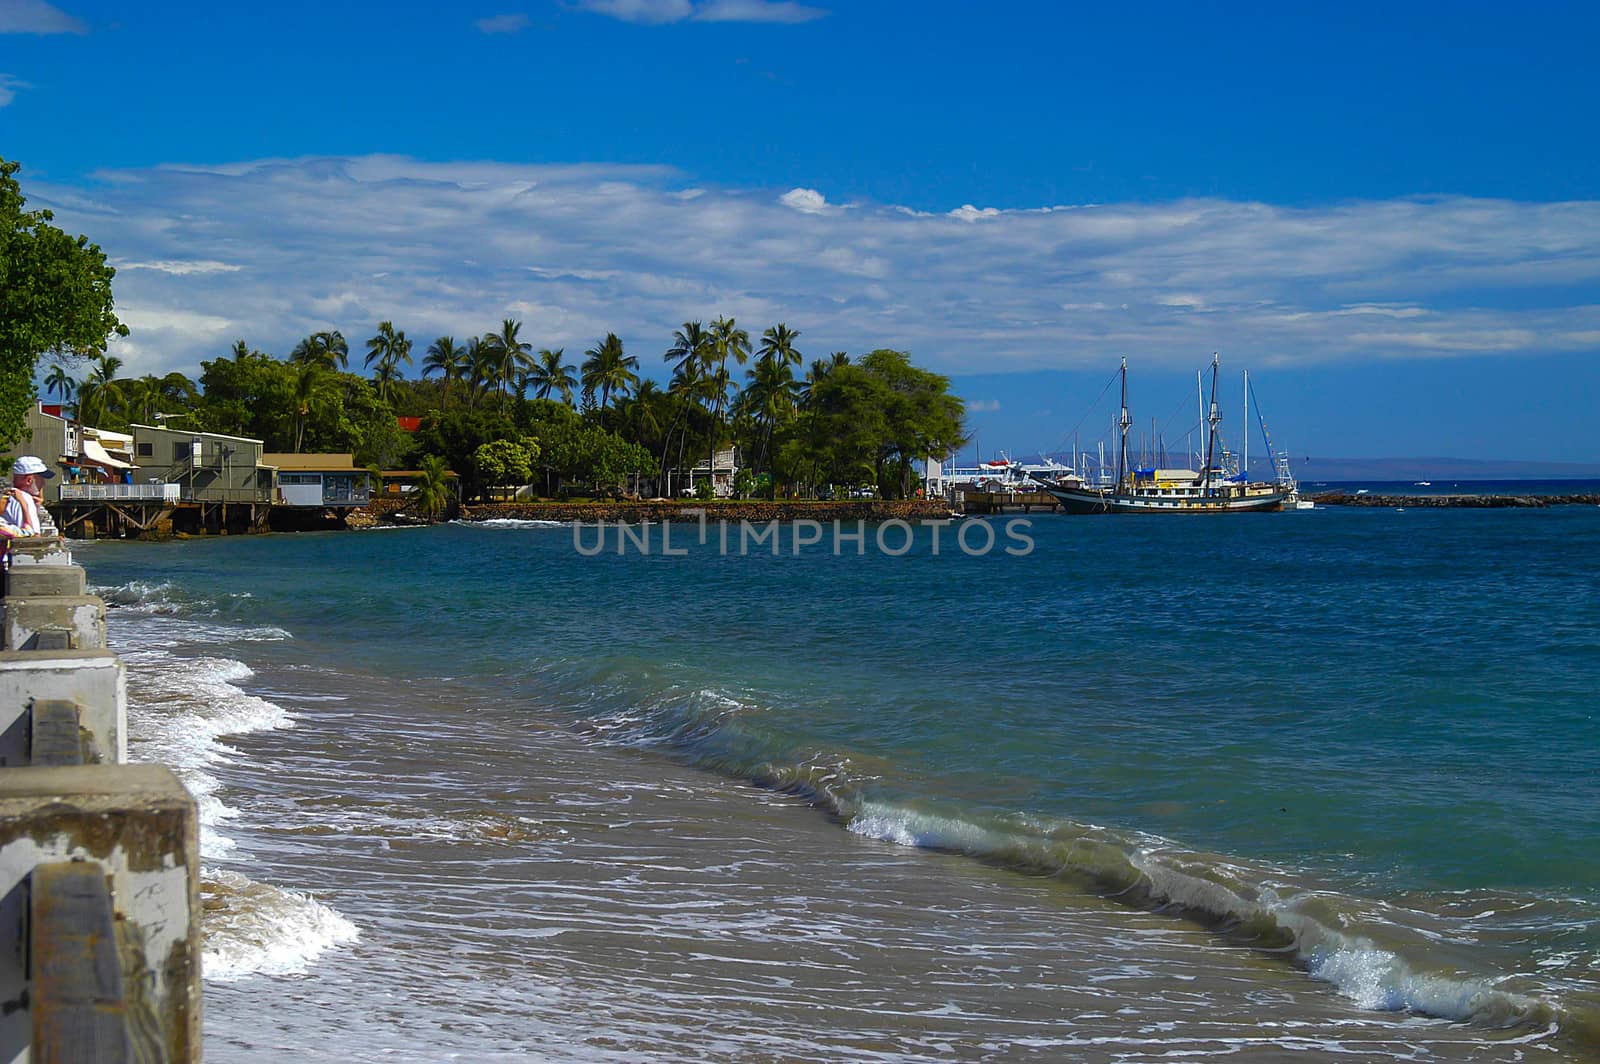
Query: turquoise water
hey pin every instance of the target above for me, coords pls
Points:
(1368, 739)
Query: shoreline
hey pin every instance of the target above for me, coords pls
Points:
(754, 511)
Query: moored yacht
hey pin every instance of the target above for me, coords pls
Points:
(1153, 490)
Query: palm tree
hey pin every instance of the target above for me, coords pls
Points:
(690, 343)
(727, 340)
(608, 370)
(311, 386)
(689, 388)
(481, 369)
(433, 490)
(328, 349)
(378, 346)
(241, 350)
(771, 394)
(141, 399)
(445, 358)
(99, 393)
(511, 354)
(388, 349)
(384, 378)
(641, 413)
(778, 343)
(59, 381)
(550, 374)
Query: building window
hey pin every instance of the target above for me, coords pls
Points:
(147, 450)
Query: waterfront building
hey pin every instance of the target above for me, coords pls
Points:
(328, 481)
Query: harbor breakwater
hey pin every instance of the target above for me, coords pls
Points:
(1458, 502)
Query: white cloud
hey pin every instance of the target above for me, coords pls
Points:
(808, 200)
(272, 250)
(756, 11)
(655, 12)
(8, 88)
(36, 16)
(983, 406)
(514, 23)
(968, 213)
(179, 267)
(651, 11)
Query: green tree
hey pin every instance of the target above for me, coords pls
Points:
(385, 353)
(328, 349)
(458, 435)
(482, 368)
(608, 370)
(433, 489)
(504, 462)
(551, 374)
(771, 396)
(447, 360)
(60, 383)
(55, 295)
(777, 344)
(727, 341)
(508, 354)
(312, 388)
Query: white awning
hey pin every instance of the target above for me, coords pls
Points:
(97, 454)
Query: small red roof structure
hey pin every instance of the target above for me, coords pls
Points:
(409, 424)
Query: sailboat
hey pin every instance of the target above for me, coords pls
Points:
(1153, 490)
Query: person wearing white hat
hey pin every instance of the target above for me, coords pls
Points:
(24, 502)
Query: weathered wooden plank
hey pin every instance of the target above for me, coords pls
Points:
(77, 993)
(57, 739)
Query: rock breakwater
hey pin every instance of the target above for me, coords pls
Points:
(1459, 502)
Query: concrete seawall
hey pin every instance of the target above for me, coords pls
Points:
(99, 859)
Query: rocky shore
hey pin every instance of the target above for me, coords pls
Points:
(1459, 502)
(748, 510)
(397, 512)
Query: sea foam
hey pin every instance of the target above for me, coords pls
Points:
(180, 708)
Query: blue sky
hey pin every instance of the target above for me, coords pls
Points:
(1389, 213)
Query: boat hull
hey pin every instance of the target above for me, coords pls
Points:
(1080, 501)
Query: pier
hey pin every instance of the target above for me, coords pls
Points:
(1003, 502)
(99, 859)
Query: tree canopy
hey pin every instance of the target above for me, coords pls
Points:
(55, 295)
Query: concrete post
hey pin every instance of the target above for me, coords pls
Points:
(39, 550)
(93, 679)
(82, 617)
(137, 825)
(27, 581)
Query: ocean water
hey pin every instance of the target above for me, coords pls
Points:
(1321, 783)
(1457, 486)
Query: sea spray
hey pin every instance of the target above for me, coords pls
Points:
(180, 708)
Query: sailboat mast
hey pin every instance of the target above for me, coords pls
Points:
(1125, 422)
(1213, 419)
(1244, 430)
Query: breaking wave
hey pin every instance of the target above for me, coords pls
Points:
(180, 710)
(1379, 956)
(512, 523)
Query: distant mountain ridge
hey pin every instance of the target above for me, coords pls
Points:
(1314, 468)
